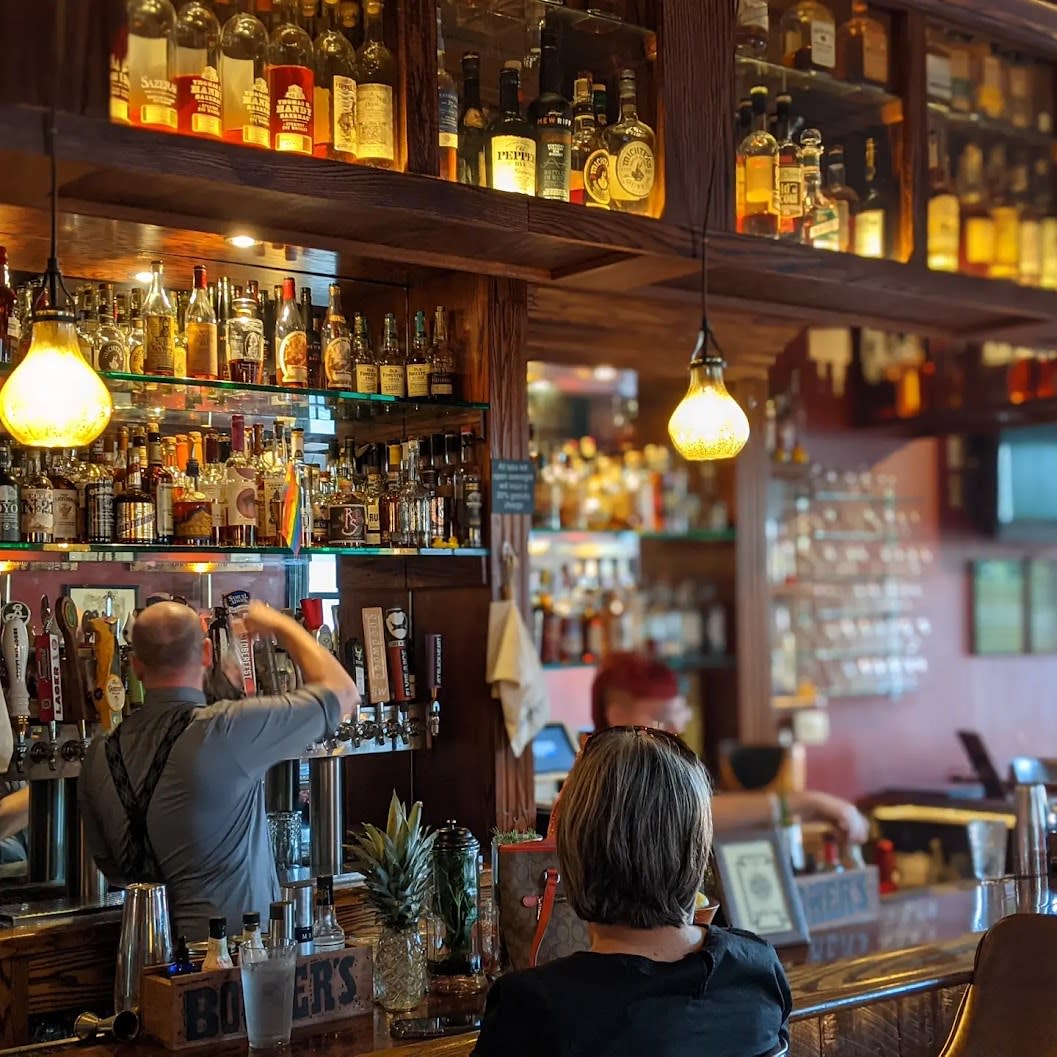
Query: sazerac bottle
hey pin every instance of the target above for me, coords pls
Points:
(472, 165)
(134, 509)
(418, 360)
(197, 71)
(291, 341)
(336, 344)
(552, 116)
(151, 39)
(246, 108)
(9, 497)
(375, 94)
(511, 144)
(392, 366)
(364, 368)
(291, 82)
(334, 111)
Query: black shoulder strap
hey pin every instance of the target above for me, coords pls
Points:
(138, 859)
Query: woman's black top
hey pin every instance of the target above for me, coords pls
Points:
(730, 998)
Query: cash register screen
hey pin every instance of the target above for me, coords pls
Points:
(553, 751)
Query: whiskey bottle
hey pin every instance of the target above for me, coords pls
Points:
(821, 226)
(418, 360)
(448, 108)
(843, 197)
(552, 116)
(742, 129)
(392, 368)
(240, 491)
(314, 373)
(137, 337)
(111, 344)
(872, 221)
(99, 503)
(600, 103)
(588, 153)
(10, 508)
(441, 358)
(472, 164)
(160, 486)
(469, 499)
(364, 368)
(862, 48)
(271, 487)
(511, 146)
(291, 82)
(1032, 203)
(334, 108)
(201, 330)
(134, 520)
(192, 511)
(631, 146)
(244, 79)
(978, 228)
(180, 299)
(244, 342)
(88, 326)
(223, 308)
(159, 327)
(392, 533)
(1005, 215)
(211, 483)
(442, 503)
(373, 492)
(197, 71)
(790, 173)
(751, 33)
(151, 39)
(760, 151)
(375, 93)
(65, 500)
(347, 516)
(944, 216)
(337, 344)
(415, 514)
(291, 341)
(808, 35)
(37, 519)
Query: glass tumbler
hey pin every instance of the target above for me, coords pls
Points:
(268, 993)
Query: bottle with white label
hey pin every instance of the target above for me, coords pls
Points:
(418, 360)
(217, 954)
(334, 110)
(150, 62)
(632, 149)
(37, 502)
(375, 94)
(552, 114)
(808, 37)
(291, 341)
(511, 141)
(392, 362)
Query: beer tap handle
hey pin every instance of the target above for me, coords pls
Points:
(434, 678)
(14, 641)
(72, 674)
(109, 693)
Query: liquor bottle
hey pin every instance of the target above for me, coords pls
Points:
(179, 299)
(87, 325)
(978, 228)
(240, 491)
(392, 368)
(137, 338)
(552, 116)
(990, 80)
(742, 129)
(589, 163)
(211, 484)
(111, 344)
(393, 532)
(201, 330)
(468, 501)
(291, 82)
(862, 48)
(944, 217)
(872, 221)
(334, 108)
(26, 299)
(511, 146)
(1005, 215)
(1032, 220)
(159, 327)
(160, 485)
(441, 358)
(751, 33)
(337, 344)
(247, 105)
(10, 509)
(37, 509)
(415, 499)
(373, 497)
(271, 487)
(217, 954)
(244, 342)
(99, 504)
(346, 515)
(65, 501)
(197, 71)
(808, 35)
(327, 934)
(473, 169)
(937, 67)
(790, 174)
(843, 197)
(151, 38)
(760, 151)
(120, 462)
(448, 107)
(821, 226)
(418, 360)
(375, 94)
(314, 372)
(631, 146)
(442, 503)
(10, 323)
(600, 103)
(134, 520)
(291, 341)
(364, 368)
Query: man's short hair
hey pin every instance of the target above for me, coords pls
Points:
(635, 830)
(167, 637)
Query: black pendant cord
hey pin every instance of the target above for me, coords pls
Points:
(52, 280)
(703, 352)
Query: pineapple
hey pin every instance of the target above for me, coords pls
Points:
(396, 865)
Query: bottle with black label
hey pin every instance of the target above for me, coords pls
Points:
(552, 115)
(9, 498)
(134, 509)
(347, 517)
(37, 502)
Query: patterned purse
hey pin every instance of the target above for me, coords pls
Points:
(536, 924)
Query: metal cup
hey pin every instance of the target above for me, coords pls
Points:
(146, 939)
(1032, 810)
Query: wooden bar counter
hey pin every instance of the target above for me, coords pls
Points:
(890, 986)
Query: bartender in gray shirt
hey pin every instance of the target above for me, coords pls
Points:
(175, 793)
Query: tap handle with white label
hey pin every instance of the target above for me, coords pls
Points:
(14, 643)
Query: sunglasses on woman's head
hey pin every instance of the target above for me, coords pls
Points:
(658, 733)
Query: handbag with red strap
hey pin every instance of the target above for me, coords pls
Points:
(536, 923)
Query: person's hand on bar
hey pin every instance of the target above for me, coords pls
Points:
(852, 827)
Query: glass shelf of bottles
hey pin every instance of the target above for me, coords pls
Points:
(689, 536)
(698, 662)
(605, 18)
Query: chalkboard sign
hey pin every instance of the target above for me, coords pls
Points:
(513, 486)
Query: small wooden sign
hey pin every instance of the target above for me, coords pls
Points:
(851, 897)
(201, 1009)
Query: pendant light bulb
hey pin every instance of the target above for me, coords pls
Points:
(709, 423)
(53, 398)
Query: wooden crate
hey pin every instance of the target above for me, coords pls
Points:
(201, 1009)
(850, 897)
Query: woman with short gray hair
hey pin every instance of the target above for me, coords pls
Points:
(634, 836)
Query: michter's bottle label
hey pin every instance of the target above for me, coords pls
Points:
(292, 91)
(198, 101)
(135, 522)
(348, 525)
(337, 363)
(9, 512)
(632, 172)
(514, 164)
(374, 121)
(159, 345)
(111, 356)
(596, 178)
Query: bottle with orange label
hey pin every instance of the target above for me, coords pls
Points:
(291, 341)
(196, 71)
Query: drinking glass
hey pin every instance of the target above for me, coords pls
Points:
(284, 831)
(988, 839)
(268, 993)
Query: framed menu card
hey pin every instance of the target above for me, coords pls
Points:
(999, 623)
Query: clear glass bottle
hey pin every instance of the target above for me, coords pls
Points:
(872, 221)
(112, 346)
(588, 151)
(160, 484)
(180, 299)
(752, 31)
(134, 519)
(211, 483)
(244, 342)
(418, 360)
(335, 87)
(291, 81)
(346, 513)
(862, 48)
(337, 344)
(291, 341)
(313, 323)
(192, 508)
(821, 224)
(448, 108)
(159, 327)
(87, 325)
(808, 37)
(65, 500)
(217, 955)
(472, 166)
(978, 229)
(414, 501)
(37, 511)
(392, 365)
(197, 71)
(151, 42)
(760, 153)
(99, 502)
(511, 143)
(790, 182)
(552, 115)
(376, 93)
(10, 509)
(240, 491)
(327, 934)
(944, 216)
(632, 147)
(244, 79)
(271, 489)
(364, 367)
(392, 532)
(201, 329)
(441, 358)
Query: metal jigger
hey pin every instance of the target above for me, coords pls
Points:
(123, 1026)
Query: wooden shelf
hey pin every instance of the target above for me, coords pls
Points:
(944, 421)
